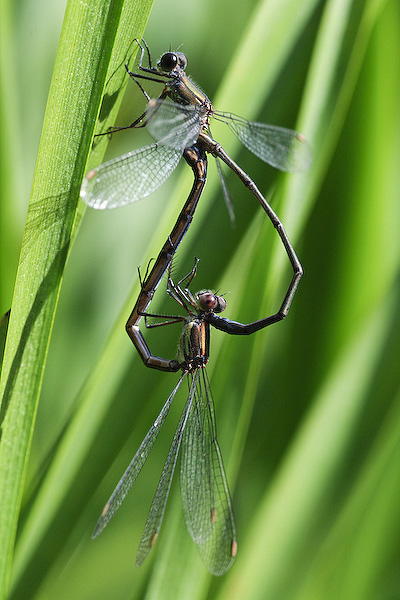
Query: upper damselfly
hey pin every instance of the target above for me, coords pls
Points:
(179, 118)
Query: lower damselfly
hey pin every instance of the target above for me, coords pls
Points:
(205, 494)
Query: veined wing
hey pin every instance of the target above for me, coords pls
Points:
(205, 494)
(282, 148)
(131, 473)
(139, 173)
(172, 124)
(157, 508)
(130, 177)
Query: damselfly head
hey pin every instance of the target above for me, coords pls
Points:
(170, 60)
(209, 302)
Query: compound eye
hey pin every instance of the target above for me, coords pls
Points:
(182, 60)
(221, 304)
(207, 301)
(168, 61)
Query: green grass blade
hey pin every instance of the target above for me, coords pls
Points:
(9, 232)
(86, 43)
(290, 504)
(354, 558)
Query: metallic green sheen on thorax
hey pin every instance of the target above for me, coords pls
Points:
(183, 91)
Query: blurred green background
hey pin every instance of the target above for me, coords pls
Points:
(308, 411)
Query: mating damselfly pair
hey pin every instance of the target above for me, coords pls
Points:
(179, 121)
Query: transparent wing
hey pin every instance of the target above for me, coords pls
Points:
(157, 508)
(281, 148)
(226, 193)
(205, 494)
(173, 124)
(131, 473)
(139, 173)
(130, 177)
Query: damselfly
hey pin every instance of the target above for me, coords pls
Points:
(182, 126)
(205, 494)
(175, 126)
(204, 489)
